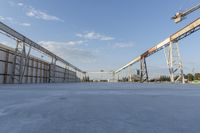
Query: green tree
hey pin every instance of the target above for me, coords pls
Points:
(164, 78)
(190, 77)
(197, 76)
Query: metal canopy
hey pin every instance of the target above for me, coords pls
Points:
(31, 43)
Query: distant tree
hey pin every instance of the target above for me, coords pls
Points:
(164, 78)
(185, 76)
(152, 80)
(86, 79)
(197, 76)
(190, 77)
(124, 79)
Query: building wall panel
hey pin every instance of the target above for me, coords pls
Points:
(38, 71)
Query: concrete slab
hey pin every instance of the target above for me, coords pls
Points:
(99, 108)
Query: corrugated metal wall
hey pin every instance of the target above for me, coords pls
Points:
(38, 71)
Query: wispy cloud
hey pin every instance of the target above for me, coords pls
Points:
(63, 50)
(6, 18)
(30, 11)
(35, 13)
(25, 24)
(94, 36)
(8, 43)
(68, 43)
(12, 20)
(123, 45)
(20, 4)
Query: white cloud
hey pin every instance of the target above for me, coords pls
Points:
(94, 36)
(20, 4)
(75, 42)
(32, 12)
(6, 18)
(2, 18)
(72, 54)
(35, 13)
(69, 43)
(123, 45)
(13, 21)
(25, 24)
(9, 43)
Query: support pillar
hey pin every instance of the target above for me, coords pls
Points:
(118, 77)
(143, 71)
(20, 62)
(53, 70)
(65, 73)
(113, 76)
(129, 74)
(174, 62)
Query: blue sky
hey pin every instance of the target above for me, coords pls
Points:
(103, 34)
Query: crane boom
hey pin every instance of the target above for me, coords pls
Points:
(180, 15)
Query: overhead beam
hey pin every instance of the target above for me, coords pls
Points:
(180, 15)
(31, 43)
(186, 31)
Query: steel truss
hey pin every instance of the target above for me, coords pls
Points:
(182, 33)
(20, 63)
(143, 71)
(16, 35)
(174, 62)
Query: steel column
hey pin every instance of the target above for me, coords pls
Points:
(53, 70)
(20, 62)
(129, 74)
(6, 68)
(143, 71)
(174, 62)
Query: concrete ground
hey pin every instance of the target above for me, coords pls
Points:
(100, 108)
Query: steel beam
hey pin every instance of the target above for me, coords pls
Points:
(32, 44)
(184, 32)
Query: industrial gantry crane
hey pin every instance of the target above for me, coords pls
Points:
(179, 16)
(172, 52)
(170, 45)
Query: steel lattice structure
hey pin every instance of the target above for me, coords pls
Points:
(21, 55)
(171, 40)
